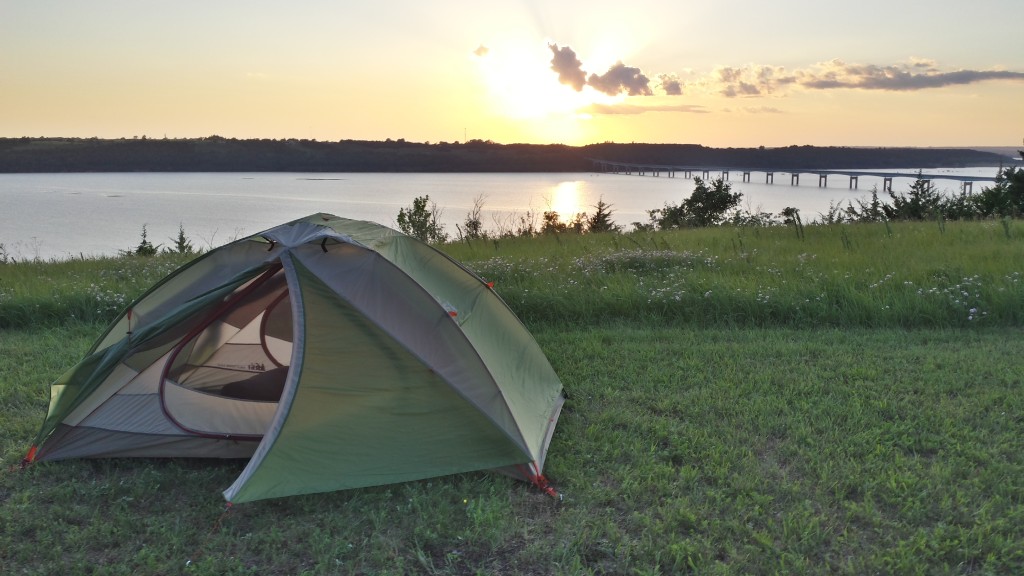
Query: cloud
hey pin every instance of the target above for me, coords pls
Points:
(914, 75)
(762, 110)
(568, 66)
(917, 74)
(621, 78)
(670, 84)
(617, 80)
(481, 51)
(752, 80)
(629, 109)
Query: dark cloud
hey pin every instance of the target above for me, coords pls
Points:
(836, 74)
(568, 66)
(671, 84)
(621, 78)
(900, 77)
(618, 79)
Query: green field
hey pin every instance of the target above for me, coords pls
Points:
(741, 401)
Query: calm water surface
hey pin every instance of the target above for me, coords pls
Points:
(66, 215)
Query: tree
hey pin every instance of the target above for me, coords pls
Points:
(145, 247)
(422, 222)
(473, 228)
(706, 206)
(1006, 197)
(919, 203)
(791, 217)
(873, 211)
(552, 223)
(182, 245)
(601, 221)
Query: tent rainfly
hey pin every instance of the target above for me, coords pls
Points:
(331, 353)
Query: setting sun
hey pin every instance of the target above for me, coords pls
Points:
(521, 86)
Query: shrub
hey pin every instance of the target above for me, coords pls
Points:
(422, 222)
(707, 206)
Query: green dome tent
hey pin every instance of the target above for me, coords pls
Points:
(331, 353)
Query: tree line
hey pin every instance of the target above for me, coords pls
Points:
(219, 154)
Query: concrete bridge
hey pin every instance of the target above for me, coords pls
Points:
(966, 182)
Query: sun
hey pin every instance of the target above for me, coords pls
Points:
(522, 86)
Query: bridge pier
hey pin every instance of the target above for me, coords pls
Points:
(966, 183)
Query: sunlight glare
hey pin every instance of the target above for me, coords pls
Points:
(567, 200)
(523, 86)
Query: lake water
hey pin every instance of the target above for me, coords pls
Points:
(57, 216)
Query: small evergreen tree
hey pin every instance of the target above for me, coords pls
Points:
(870, 211)
(145, 247)
(1006, 197)
(921, 202)
(182, 245)
(601, 221)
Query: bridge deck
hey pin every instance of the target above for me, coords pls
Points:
(851, 173)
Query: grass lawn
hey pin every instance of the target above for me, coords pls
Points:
(740, 402)
(706, 450)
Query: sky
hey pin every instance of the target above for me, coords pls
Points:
(722, 73)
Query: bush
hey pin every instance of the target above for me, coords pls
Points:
(707, 206)
(422, 222)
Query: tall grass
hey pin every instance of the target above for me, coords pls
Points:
(40, 293)
(871, 275)
(876, 275)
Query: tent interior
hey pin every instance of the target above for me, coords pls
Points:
(226, 376)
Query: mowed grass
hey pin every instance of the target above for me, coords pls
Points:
(690, 443)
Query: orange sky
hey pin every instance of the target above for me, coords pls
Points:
(724, 73)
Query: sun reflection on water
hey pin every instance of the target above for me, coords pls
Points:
(567, 199)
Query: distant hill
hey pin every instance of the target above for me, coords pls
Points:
(217, 154)
(1014, 153)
